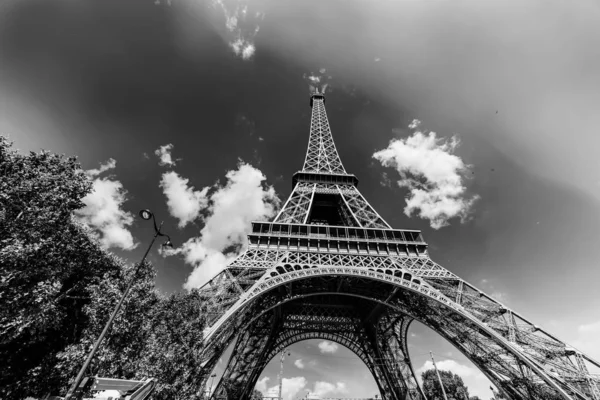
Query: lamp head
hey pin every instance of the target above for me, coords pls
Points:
(168, 243)
(145, 214)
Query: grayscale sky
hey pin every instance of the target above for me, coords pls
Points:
(517, 82)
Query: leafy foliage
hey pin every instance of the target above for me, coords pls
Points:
(58, 287)
(453, 385)
(46, 262)
(256, 395)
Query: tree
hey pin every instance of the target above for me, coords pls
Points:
(256, 395)
(46, 262)
(58, 287)
(453, 385)
(174, 346)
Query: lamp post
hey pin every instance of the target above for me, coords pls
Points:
(145, 215)
(280, 377)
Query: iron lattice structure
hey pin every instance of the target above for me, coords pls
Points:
(330, 267)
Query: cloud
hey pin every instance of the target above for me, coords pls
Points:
(243, 48)
(587, 339)
(241, 28)
(323, 389)
(261, 385)
(289, 387)
(299, 364)
(103, 211)
(328, 347)
(164, 153)
(183, 201)
(110, 164)
(317, 80)
(228, 214)
(432, 173)
(474, 379)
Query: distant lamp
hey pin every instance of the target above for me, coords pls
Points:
(146, 214)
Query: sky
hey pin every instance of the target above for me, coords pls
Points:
(199, 111)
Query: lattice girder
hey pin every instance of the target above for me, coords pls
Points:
(321, 155)
(325, 318)
(393, 340)
(487, 348)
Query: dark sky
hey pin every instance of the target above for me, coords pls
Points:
(517, 81)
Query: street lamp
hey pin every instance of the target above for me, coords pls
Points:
(280, 377)
(145, 215)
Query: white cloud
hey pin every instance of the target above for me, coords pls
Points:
(164, 153)
(432, 173)
(587, 339)
(243, 48)
(299, 364)
(289, 387)
(328, 347)
(323, 389)
(183, 201)
(208, 267)
(242, 28)
(230, 210)
(474, 379)
(103, 213)
(261, 385)
(110, 164)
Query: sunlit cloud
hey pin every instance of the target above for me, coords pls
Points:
(433, 175)
(183, 201)
(261, 384)
(328, 347)
(317, 81)
(291, 387)
(242, 27)
(164, 154)
(103, 212)
(299, 363)
(228, 213)
(587, 339)
(327, 389)
(94, 172)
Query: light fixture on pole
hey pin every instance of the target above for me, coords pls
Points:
(145, 215)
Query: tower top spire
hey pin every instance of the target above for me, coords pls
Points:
(321, 156)
(317, 94)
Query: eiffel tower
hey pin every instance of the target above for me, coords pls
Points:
(330, 267)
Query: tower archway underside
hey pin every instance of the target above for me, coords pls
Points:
(353, 322)
(521, 362)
